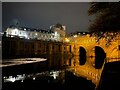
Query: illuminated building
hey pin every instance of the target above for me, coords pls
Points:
(54, 34)
(59, 31)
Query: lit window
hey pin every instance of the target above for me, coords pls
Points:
(36, 34)
(25, 29)
(75, 35)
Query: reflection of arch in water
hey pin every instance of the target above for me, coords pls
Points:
(82, 54)
(100, 56)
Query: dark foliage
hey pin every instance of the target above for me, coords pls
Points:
(107, 21)
(107, 16)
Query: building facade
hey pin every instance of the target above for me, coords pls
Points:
(54, 34)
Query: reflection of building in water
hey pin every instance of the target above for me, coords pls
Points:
(56, 33)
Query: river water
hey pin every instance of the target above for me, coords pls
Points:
(57, 75)
(53, 80)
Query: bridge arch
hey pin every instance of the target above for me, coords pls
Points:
(82, 55)
(100, 56)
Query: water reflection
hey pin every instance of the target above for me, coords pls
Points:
(87, 71)
(59, 62)
(14, 78)
(62, 72)
(59, 68)
(22, 77)
(55, 80)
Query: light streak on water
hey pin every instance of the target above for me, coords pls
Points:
(22, 77)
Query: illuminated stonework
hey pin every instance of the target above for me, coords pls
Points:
(89, 42)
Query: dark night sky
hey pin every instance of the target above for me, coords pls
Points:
(43, 14)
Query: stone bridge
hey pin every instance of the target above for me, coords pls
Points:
(92, 55)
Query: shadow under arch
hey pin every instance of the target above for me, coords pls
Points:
(82, 55)
(100, 56)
